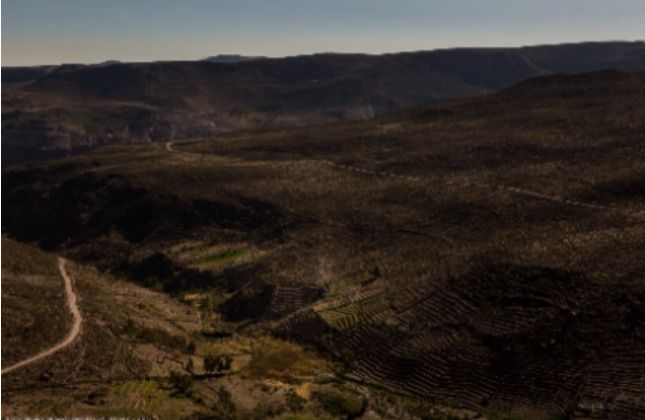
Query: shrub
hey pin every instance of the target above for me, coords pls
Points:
(294, 402)
(344, 404)
(180, 383)
(217, 363)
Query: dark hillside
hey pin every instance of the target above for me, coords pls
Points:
(485, 252)
(76, 107)
(12, 75)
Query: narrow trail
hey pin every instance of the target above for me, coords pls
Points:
(73, 332)
(512, 190)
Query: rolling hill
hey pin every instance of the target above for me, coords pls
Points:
(484, 253)
(58, 111)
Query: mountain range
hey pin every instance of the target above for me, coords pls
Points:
(53, 111)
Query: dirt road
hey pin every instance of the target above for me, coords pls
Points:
(73, 332)
(512, 190)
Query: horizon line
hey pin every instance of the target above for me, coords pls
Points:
(109, 61)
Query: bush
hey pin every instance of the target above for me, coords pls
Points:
(295, 403)
(180, 383)
(344, 404)
(217, 363)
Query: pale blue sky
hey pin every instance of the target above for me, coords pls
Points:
(81, 31)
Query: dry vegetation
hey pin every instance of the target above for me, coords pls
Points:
(54, 111)
(486, 253)
(34, 315)
(142, 354)
(108, 352)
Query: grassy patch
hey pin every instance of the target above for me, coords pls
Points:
(282, 360)
(154, 335)
(143, 398)
(23, 259)
(225, 257)
(343, 285)
(341, 403)
(206, 301)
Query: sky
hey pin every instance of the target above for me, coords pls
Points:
(89, 31)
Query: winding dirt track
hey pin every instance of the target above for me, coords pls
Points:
(511, 190)
(73, 332)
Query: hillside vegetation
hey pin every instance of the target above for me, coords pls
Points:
(55, 111)
(142, 354)
(485, 253)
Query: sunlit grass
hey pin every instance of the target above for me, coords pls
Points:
(286, 361)
(343, 285)
(142, 398)
(225, 257)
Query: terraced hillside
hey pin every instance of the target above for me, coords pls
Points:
(142, 354)
(486, 252)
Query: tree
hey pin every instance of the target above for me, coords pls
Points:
(217, 363)
(180, 383)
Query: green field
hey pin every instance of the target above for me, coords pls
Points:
(349, 315)
(224, 257)
(341, 286)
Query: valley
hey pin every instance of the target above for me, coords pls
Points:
(477, 258)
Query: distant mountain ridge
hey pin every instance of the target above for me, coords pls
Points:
(231, 58)
(78, 106)
(24, 74)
